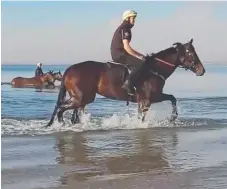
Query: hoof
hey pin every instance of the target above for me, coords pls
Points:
(173, 117)
(49, 124)
(141, 117)
(75, 121)
(60, 120)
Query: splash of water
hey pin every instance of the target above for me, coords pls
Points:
(89, 123)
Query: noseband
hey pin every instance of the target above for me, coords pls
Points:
(184, 58)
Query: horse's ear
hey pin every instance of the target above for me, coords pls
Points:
(177, 44)
(191, 41)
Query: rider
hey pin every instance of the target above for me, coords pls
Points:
(122, 52)
(39, 70)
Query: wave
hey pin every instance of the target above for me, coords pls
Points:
(18, 126)
(208, 98)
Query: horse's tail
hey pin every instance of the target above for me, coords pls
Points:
(62, 93)
(61, 97)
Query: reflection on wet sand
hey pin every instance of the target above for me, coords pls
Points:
(73, 156)
(98, 156)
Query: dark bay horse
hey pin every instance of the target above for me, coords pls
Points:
(38, 81)
(84, 80)
(57, 75)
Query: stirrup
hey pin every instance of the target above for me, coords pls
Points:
(129, 90)
(131, 94)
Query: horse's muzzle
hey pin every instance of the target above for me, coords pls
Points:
(200, 72)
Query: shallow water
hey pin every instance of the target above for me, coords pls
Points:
(111, 148)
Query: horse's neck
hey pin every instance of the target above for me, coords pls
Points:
(55, 76)
(165, 69)
(43, 78)
(37, 77)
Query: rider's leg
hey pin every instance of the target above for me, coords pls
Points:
(137, 68)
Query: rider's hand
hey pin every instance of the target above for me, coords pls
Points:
(142, 57)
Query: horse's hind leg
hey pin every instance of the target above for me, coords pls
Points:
(67, 105)
(78, 99)
(75, 102)
(75, 115)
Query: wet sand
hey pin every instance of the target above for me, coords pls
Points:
(150, 158)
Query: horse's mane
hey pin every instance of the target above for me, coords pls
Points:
(161, 53)
(51, 71)
(151, 57)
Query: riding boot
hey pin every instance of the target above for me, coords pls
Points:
(129, 84)
(129, 87)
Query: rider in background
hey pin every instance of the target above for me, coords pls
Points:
(122, 52)
(39, 71)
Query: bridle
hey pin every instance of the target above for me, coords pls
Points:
(191, 58)
(187, 56)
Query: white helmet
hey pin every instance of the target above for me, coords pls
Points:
(39, 64)
(128, 13)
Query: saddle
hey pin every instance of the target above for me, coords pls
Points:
(123, 72)
(112, 63)
(115, 65)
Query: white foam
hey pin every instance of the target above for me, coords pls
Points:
(89, 122)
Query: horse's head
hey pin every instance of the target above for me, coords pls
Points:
(189, 58)
(58, 76)
(49, 77)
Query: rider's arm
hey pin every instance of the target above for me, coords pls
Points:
(129, 49)
(41, 71)
(126, 35)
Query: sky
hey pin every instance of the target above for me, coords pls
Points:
(58, 32)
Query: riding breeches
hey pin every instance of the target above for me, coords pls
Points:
(136, 66)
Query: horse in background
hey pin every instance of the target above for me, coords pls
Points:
(57, 76)
(82, 81)
(38, 81)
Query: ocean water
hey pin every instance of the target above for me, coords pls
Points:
(111, 148)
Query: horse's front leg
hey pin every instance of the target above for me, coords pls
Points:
(173, 100)
(143, 107)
